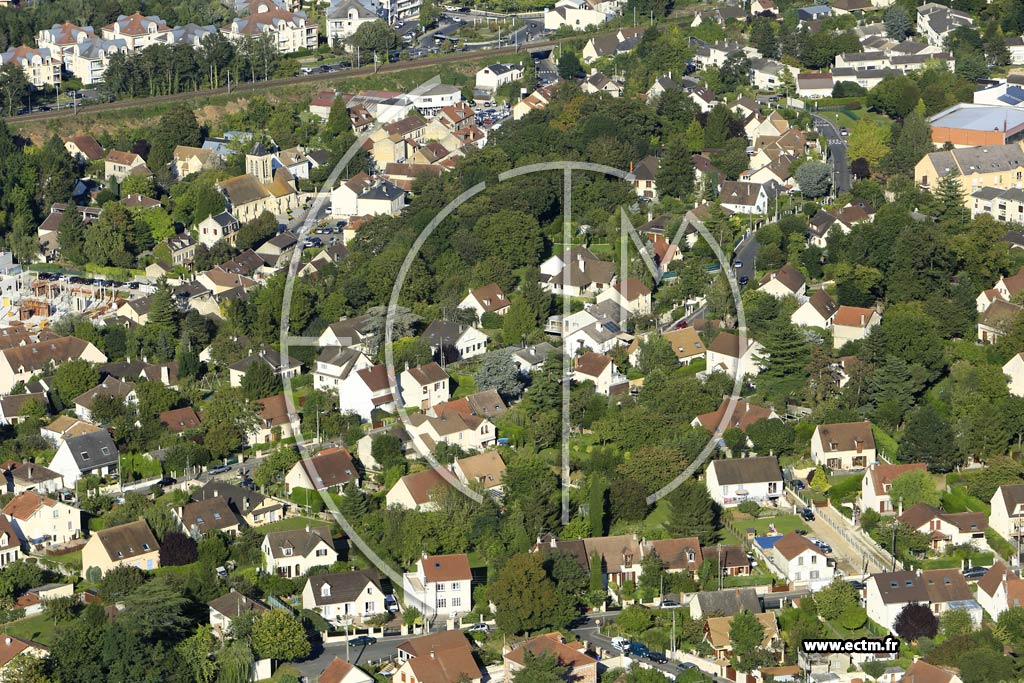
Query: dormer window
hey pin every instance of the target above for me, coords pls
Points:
(287, 552)
(325, 590)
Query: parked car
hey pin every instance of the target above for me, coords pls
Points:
(807, 514)
(975, 573)
(857, 585)
(657, 658)
(682, 325)
(167, 481)
(744, 280)
(801, 532)
(479, 628)
(639, 650)
(797, 485)
(737, 264)
(362, 641)
(220, 469)
(621, 644)
(687, 665)
(669, 604)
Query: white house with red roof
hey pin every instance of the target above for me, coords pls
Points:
(874, 487)
(581, 667)
(11, 647)
(425, 386)
(35, 517)
(40, 66)
(440, 585)
(631, 294)
(599, 369)
(413, 491)
(364, 390)
(852, 323)
(331, 468)
(487, 299)
(119, 165)
(290, 31)
(340, 671)
(725, 355)
(799, 560)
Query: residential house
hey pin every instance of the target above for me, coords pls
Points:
(440, 585)
(801, 562)
(330, 469)
(735, 480)
(213, 229)
(292, 553)
(582, 275)
(450, 427)
(182, 248)
(15, 407)
(364, 391)
(923, 672)
(597, 83)
(996, 321)
(599, 369)
(724, 355)
(344, 17)
(289, 31)
(276, 421)
(630, 294)
(187, 160)
(486, 299)
(283, 366)
(254, 508)
(818, 311)
(743, 197)
(110, 387)
(679, 555)
(732, 560)
(91, 453)
(767, 74)
(126, 545)
(40, 66)
(209, 515)
(686, 344)
(576, 15)
(485, 470)
(843, 445)
(441, 657)
(341, 671)
(29, 476)
(84, 148)
(874, 487)
(413, 491)
(1000, 589)
(645, 178)
(424, 387)
(743, 415)
(725, 603)
(361, 195)
(941, 589)
(455, 340)
(119, 165)
(852, 323)
(492, 77)
(935, 22)
(344, 597)
(41, 520)
(64, 427)
(12, 647)
(998, 167)
(946, 529)
(10, 544)
(486, 404)
(20, 363)
(717, 633)
(531, 358)
(813, 86)
(786, 281)
(335, 364)
(1007, 512)
(578, 665)
(180, 420)
(229, 607)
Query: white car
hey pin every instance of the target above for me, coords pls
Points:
(621, 644)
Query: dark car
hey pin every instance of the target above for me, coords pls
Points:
(362, 641)
(682, 325)
(857, 585)
(798, 485)
(638, 650)
(975, 573)
(807, 514)
(657, 658)
(687, 665)
(167, 481)
(743, 280)
(801, 532)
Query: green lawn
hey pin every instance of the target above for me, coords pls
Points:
(885, 444)
(846, 488)
(783, 524)
(958, 500)
(39, 628)
(465, 385)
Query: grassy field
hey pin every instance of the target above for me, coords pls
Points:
(958, 500)
(653, 525)
(291, 524)
(783, 524)
(845, 489)
(39, 628)
(465, 385)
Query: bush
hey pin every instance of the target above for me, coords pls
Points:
(749, 507)
(491, 321)
(853, 617)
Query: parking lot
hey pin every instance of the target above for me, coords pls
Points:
(93, 282)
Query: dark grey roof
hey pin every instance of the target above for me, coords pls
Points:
(344, 587)
(239, 500)
(93, 450)
(534, 354)
(899, 587)
(272, 357)
(985, 159)
(747, 470)
(443, 331)
(301, 541)
(729, 602)
(385, 190)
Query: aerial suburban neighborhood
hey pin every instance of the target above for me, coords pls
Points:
(525, 341)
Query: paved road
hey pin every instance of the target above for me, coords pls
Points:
(746, 254)
(836, 151)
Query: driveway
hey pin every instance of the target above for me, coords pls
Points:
(836, 152)
(850, 559)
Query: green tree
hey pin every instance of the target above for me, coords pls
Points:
(71, 237)
(911, 488)
(530, 484)
(916, 621)
(73, 379)
(763, 36)
(569, 65)
(895, 96)
(598, 504)
(429, 12)
(814, 177)
(746, 634)
(676, 171)
(278, 635)
(526, 598)
(542, 668)
(260, 381)
(14, 86)
(868, 140)
(692, 512)
(498, 371)
(655, 353)
(835, 599)
(375, 37)
(519, 323)
(950, 195)
(929, 438)
(910, 144)
(897, 23)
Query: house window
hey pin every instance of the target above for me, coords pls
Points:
(321, 552)
(440, 587)
(287, 552)
(455, 585)
(442, 603)
(456, 602)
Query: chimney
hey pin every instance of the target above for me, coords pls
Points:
(7, 640)
(862, 320)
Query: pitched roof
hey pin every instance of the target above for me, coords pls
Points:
(853, 316)
(823, 304)
(29, 472)
(25, 504)
(729, 602)
(728, 344)
(234, 604)
(922, 513)
(994, 576)
(330, 467)
(743, 415)
(792, 544)
(485, 469)
(441, 657)
(946, 585)
(127, 540)
(846, 436)
(301, 541)
(882, 474)
(428, 374)
(923, 672)
(179, 419)
(899, 587)
(675, 553)
(592, 364)
(631, 289)
(614, 550)
(719, 628)
(33, 357)
(732, 471)
(11, 647)
(92, 450)
(570, 655)
(342, 587)
(789, 276)
(338, 669)
(420, 484)
(685, 343)
(453, 567)
(206, 515)
(88, 146)
(110, 386)
(490, 297)
(999, 314)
